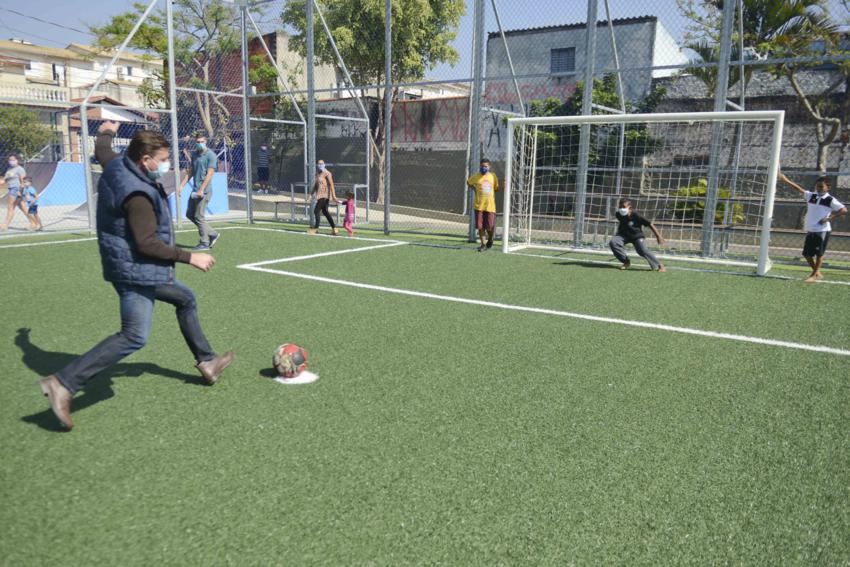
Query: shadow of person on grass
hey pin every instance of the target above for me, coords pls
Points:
(43, 362)
(586, 264)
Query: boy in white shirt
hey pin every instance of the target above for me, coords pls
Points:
(822, 209)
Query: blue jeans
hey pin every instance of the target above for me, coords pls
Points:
(136, 318)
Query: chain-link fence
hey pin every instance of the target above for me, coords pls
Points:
(243, 79)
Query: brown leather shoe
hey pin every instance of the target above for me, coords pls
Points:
(212, 369)
(60, 399)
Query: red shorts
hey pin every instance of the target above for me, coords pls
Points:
(485, 220)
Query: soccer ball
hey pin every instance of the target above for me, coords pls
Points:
(289, 360)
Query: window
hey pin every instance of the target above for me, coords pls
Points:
(129, 71)
(563, 61)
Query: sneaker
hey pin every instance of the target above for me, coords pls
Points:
(482, 248)
(489, 244)
(626, 266)
(201, 248)
(312, 231)
(214, 239)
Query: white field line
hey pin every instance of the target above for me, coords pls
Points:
(569, 314)
(87, 239)
(320, 255)
(678, 268)
(302, 233)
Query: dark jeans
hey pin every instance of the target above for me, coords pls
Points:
(136, 317)
(618, 247)
(322, 207)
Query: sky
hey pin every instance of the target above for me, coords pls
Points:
(77, 14)
(63, 15)
(69, 20)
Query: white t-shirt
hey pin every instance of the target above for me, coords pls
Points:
(819, 206)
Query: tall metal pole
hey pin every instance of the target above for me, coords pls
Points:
(584, 136)
(388, 109)
(729, 210)
(717, 129)
(621, 95)
(172, 96)
(311, 100)
(475, 102)
(84, 149)
(246, 119)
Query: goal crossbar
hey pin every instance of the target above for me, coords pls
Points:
(774, 117)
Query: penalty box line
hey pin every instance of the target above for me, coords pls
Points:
(557, 313)
(319, 255)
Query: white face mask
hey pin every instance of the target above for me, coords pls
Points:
(13, 162)
(623, 211)
(161, 169)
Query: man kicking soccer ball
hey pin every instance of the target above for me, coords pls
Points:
(821, 209)
(138, 253)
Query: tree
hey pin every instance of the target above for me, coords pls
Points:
(422, 34)
(558, 146)
(206, 39)
(788, 29)
(23, 131)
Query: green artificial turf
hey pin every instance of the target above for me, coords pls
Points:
(439, 432)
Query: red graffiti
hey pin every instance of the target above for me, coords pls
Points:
(504, 93)
(431, 120)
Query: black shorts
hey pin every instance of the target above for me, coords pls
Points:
(815, 244)
(262, 174)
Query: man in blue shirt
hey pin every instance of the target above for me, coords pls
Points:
(201, 170)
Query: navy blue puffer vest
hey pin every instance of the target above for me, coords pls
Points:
(122, 262)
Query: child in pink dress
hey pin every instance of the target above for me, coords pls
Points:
(348, 222)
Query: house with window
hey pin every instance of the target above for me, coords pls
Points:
(43, 75)
(550, 60)
(51, 81)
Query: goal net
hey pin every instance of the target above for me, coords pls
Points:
(706, 180)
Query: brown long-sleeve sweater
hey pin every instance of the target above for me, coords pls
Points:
(140, 213)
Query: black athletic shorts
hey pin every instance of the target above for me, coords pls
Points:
(815, 244)
(262, 174)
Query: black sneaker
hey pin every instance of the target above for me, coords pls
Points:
(481, 248)
(213, 239)
(489, 244)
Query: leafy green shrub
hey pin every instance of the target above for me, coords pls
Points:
(694, 210)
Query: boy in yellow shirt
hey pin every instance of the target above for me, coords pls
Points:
(485, 185)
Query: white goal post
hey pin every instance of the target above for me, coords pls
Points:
(564, 176)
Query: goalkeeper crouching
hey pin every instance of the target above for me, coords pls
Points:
(630, 231)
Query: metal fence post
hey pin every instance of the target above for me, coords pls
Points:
(172, 97)
(388, 109)
(475, 103)
(586, 107)
(84, 149)
(311, 99)
(246, 118)
(717, 129)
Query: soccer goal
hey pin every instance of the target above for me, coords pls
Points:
(707, 181)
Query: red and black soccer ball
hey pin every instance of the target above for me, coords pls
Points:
(289, 360)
